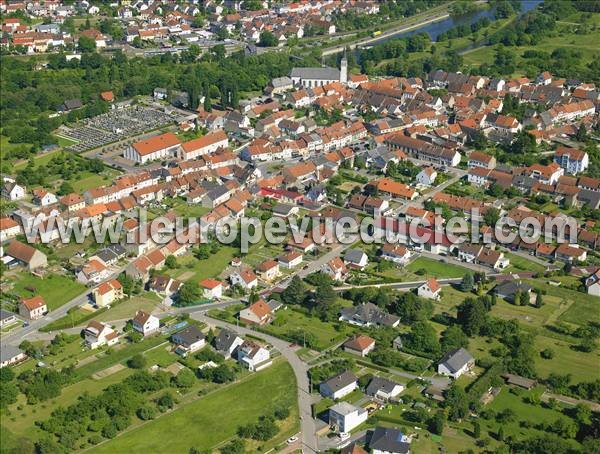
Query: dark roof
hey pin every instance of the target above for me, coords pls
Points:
(6, 314)
(188, 336)
(316, 73)
(380, 384)
(8, 352)
(354, 255)
(224, 340)
(510, 288)
(369, 313)
(71, 104)
(456, 359)
(340, 381)
(389, 440)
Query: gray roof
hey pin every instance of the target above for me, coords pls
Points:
(388, 440)
(316, 73)
(369, 313)
(283, 208)
(8, 352)
(225, 339)
(456, 359)
(345, 408)
(188, 336)
(510, 288)
(117, 249)
(6, 314)
(340, 381)
(220, 191)
(278, 82)
(274, 304)
(380, 384)
(353, 255)
(106, 255)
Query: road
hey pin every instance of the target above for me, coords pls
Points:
(307, 424)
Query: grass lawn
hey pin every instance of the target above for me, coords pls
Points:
(244, 402)
(87, 180)
(582, 366)
(436, 269)
(127, 308)
(56, 289)
(21, 423)
(289, 320)
(40, 160)
(202, 269)
(583, 310)
(161, 356)
(518, 263)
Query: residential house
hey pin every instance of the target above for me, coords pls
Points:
(145, 323)
(480, 159)
(336, 269)
(207, 144)
(573, 161)
(253, 356)
(244, 278)
(26, 255)
(268, 270)
(383, 389)
(188, 340)
(570, 253)
(7, 318)
(9, 228)
(107, 292)
(360, 345)
(431, 289)
(212, 289)
(290, 260)
(43, 198)
(368, 314)
(258, 313)
(592, 283)
(13, 191)
(395, 253)
(427, 176)
(509, 290)
(227, 342)
(344, 417)
(455, 363)
(10, 355)
(386, 440)
(33, 308)
(98, 334)
(339, 386)
(356, 258)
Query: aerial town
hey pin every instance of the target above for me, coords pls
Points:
(297, 227)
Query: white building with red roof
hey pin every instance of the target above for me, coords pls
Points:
(107, 292)
(431, 289)
(212, 288)
(33, 308)
(158, 147)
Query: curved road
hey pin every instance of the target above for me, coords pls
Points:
(307, 424)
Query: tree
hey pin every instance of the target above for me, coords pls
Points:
(189, 293)
(456, 402)
(171, 262)
(86, 44)
(524, 299)
(491, 216)
(472, 316)
(423, 338)
(476, 429)
(501, 434)
(137, 361)
(539, 301)
(294, 292)
(468, 283)
(547, 353)
(437, 422)
(267, 39)
(453, 338)
(184, 379)
(235, 446)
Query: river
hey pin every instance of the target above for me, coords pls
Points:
(434, 29)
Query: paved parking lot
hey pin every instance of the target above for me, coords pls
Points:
(113, 126)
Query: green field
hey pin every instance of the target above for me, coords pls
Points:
(203, 423)
(56, 289)
(436, 269)
(288, 320)
(202, 269)
(518, 263)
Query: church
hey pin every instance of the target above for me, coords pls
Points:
(317, 77)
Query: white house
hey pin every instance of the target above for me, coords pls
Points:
(427, 176)
(346, 417)
(430, 289)
(33, 308)
(592, 284)
(253, 356)
(227, 342)
(9, 228)
(188, 340)
(212, 289)
(13, 191)
(395, 253)
(159, 147)
(258, 313)
(339, 386)
(360, 345)
(573, 161)
(336, 269)
(43, 198)
(290, 260)
(383, 389)
(98, 334)
(145, 323)
(356, 258)
(455, 363)
(244, 278)
(209, 143)
(10, 354)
